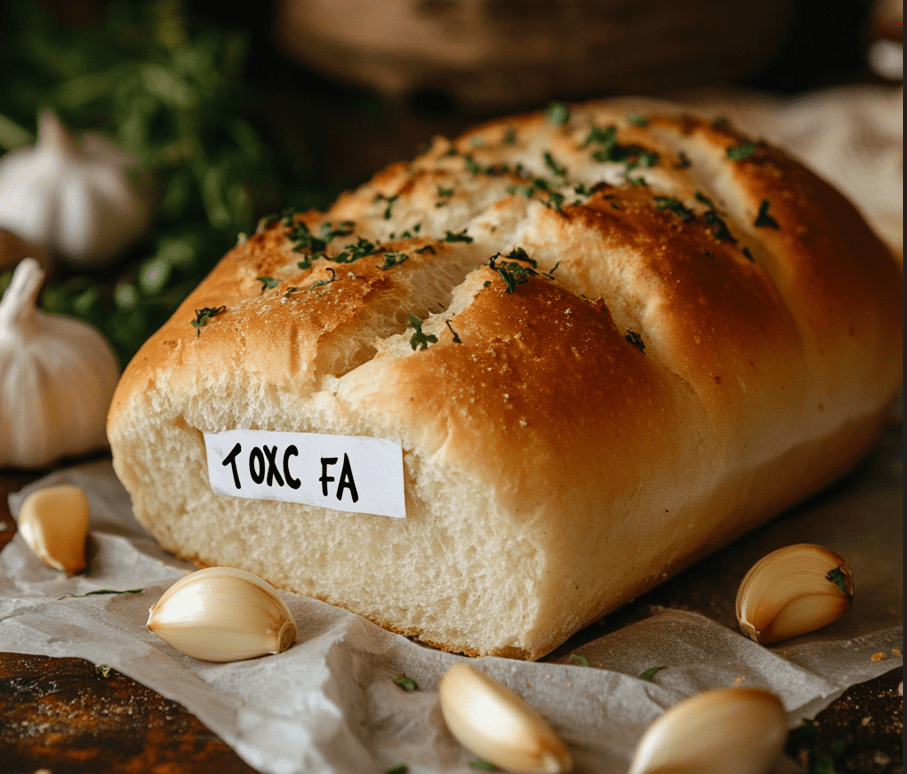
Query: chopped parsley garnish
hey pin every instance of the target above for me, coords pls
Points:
(325, 282)
(420, 340)
(390, 203)
(307, 262)
(581, 658)
(675, 206)
(268, 282)
(103, 670)
(406, 683)
(462, 236)
(721, 231)
(638, 120)
(400, 768)
(650, 673)
(636, 340)
(514, 273)
(473, 166)
(354, 252)
(444, 194)
(481, 765)
(510, 137)
(555, 168)
(427, 249)
(763, 218)
(393, 259)
(633, 156)
(557, 113)
(740, 152)
(555, 200)
(203, 315)
(305, 239)
(329, 231)
(701, 197)
(838, 577)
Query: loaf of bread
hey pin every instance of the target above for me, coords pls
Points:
(502, 389)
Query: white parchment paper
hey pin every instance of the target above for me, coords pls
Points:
(329, 704)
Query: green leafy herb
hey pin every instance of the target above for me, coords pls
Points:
(92, 566)
(267, 283)
(510, 137)
(556, 169)
(638, 120)
(721, 231)
(350, 253)
(675, 206)
(306, 263)
(400, 768)
(103, 670)
(701, 197)
(763, 218)
(581, 658)
(473, 166)
(444, 194)
(427, 249)
(459, 237)
(390, 203)
(513, 273)
(741, 152)
(320, 283)
(838, 577)
(482, 765)
(393, 259)
(305, 239)
(650, 673)
(329, 231)
(635, 339)
(203, 315)
(406, 683)
(420, 340)
(555, 201)
(557, 113)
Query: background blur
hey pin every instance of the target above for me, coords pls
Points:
(232, 111)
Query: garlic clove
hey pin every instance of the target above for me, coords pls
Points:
(223, 614)
(57, 378)
(742, 730)
(54, 524)
(498, 725)
(792, 591)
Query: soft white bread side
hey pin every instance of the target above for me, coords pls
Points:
(652, 335)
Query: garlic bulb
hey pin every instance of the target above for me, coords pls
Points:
(54, 524)
(57, 377)
(73, 196)
(223, 614)
(498, 725)
(792, 591)
(741, 730)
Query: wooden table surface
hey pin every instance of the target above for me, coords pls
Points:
(65, 715)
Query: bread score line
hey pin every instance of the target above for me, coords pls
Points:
(607, 339)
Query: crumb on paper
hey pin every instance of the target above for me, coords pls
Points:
(739, 680)
(865, 721)
(896, 651)
(880, 656)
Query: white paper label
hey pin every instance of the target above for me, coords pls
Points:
(343, 472)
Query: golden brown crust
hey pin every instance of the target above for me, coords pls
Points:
(649, 337)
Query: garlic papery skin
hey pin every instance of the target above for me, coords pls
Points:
(57, 377)
(223, 614)
(792, 591)
(498, 725)
(54, 524)
(740, 730)
(72, 195)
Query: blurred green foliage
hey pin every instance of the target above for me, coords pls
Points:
(174, 94)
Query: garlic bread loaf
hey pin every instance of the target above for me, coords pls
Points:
(505, 387)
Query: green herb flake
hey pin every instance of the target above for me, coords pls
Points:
(354, 252)
(701, 197)
(683, 161)
(650, 673)
(393, 259)
(103, 670)
(267, 283)
(557, 113)
(675, 206)
(635, 339)
(763, 218)
(741, 152)
(473, 166)
(420, 340)
(721, 231)
(325, 282)
(638, 120)
(581, 658)
(839, 578)
(459, 237)
(329, 231)
(482, 765)
(305, 239)
(427, 249)
(203, 315)
(555, 168)
(93, 565)
(390, 203)
(400, 768)
(510, 137)
(406, 683)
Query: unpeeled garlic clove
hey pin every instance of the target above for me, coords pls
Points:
(223, 614)
(54, 523)
(728, 729)
(498, 725)
(792, 591)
